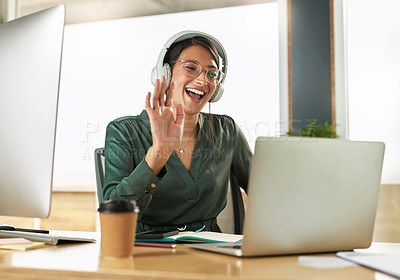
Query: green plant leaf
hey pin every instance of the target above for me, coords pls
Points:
(314, 129)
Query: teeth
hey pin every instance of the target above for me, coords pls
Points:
(199, 92)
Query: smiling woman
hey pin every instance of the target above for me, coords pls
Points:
(197, 87)
(105, 74)
(168, 158)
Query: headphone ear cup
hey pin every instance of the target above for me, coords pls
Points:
(167, 73)
(217, 93)
(154, 76)
(157, 73)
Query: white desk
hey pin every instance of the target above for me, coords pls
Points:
(83, 261)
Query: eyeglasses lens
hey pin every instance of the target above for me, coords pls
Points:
(193, 69)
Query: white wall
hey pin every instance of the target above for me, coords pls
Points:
(106, 74)
(373, 53)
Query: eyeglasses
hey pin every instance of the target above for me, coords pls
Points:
(193, 69)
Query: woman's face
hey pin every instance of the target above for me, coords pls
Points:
(193, 93)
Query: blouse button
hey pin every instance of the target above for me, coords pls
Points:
(153, 185)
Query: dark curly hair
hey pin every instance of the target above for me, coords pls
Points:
(175, 50)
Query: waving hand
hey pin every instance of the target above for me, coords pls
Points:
(166, 127)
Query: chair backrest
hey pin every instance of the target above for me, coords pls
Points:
(99, 162)
(231, 217)
(235, 198)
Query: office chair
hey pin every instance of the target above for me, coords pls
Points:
(99, 162)
(230, 219)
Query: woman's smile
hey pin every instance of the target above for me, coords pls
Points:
(195, 94)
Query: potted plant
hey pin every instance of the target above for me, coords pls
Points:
(314, 129)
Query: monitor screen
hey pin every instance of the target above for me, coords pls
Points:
(30, 61)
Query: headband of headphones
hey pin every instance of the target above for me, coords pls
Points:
(164, 69)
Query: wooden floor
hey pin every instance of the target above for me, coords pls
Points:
(78, 211)
(387, 222)
(69, 211)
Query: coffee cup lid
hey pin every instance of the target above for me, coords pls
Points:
(115, 206)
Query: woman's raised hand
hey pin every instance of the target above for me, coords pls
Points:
(166, 127)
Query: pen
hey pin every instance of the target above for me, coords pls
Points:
(11, 228)
(44, 231)
(155, 244)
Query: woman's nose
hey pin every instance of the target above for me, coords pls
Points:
(201, 78)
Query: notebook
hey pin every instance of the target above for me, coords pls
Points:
(54, 237)
(193, 236)
(308, 195)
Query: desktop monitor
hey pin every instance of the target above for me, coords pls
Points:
(30, 62)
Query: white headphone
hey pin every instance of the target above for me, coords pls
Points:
(164, 69)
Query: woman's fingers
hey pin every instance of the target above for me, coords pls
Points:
(168, 99)
(156, 94)
(147, 101)
(179, 115)
(159, 92)
(163, 88)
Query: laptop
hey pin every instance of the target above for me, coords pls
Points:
(308, 195)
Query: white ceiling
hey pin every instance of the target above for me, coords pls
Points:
(79, 11)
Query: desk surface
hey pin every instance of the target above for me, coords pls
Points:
(83, 261)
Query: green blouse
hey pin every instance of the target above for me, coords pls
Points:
(176, 196)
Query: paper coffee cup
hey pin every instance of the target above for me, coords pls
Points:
(118, 227)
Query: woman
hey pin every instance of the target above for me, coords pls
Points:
(172, 159)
